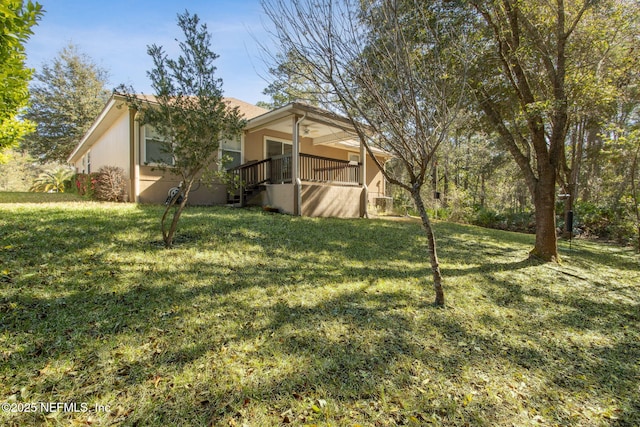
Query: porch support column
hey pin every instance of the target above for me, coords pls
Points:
(364, 199)
(295, 166)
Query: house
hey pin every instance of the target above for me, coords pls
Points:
(298, 159)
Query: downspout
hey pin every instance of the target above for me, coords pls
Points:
(132, 155)
(296, 166)
(135, 177)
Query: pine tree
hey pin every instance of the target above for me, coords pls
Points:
(66, 97)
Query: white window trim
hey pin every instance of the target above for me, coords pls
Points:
(274, 139)
(221, 149)
(144, 151)
(354, 159)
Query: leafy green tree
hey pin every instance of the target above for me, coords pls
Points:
(289, 83)
(16, 21)
(66, 97)
(188, 110)
(522, 86)
(601, 79)
(18, 171)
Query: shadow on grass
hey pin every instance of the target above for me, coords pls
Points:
(259, 316)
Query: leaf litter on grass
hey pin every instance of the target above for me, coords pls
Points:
(262, 319)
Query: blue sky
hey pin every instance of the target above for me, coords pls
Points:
(115, 34)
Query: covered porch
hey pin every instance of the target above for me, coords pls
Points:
(306, 161)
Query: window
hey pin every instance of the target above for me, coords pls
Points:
(155, 148)
(231, 151)
(86, 163)
(275, 147)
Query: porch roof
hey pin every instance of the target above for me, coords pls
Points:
(322, 126)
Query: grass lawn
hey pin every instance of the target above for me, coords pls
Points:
(262, 319)
(41, 198)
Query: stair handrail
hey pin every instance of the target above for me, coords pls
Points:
(251, 174)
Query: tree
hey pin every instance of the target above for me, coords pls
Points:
(188, 110)
(286, 88)
(521, 85)
(18, 171)
(16, 22)
(601, 78)
(393, 69)
(66, 97)
(623, 145)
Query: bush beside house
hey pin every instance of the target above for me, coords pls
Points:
(111, 184)
(108, 184)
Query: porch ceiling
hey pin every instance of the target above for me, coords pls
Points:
(320, 132)
(322, 126)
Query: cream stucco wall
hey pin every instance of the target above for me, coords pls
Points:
(331, 201)
(155, 184)
(112, 149)
(280, 196)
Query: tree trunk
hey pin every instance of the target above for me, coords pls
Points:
(167, 235)
(483, 190)
(634, 191)
(567, 233)
(572, 172)
(433, 256)
(546, 247)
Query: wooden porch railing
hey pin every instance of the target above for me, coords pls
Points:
(251, 174)
(246, 180)
(324, 169)
(281, 169)
(277, 170)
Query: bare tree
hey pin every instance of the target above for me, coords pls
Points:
(391, 67)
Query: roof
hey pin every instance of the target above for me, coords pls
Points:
(323, 126)
(248, 111)
(331, 128)
(113, 109)
(299, 108)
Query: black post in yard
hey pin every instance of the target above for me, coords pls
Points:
(570, 226)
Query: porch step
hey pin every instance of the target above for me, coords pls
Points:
(247, 194)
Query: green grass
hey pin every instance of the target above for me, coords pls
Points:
(261, 319)
(18, 197)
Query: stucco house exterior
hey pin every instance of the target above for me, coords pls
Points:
(298, 159)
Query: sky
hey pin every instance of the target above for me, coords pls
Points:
(115, 35)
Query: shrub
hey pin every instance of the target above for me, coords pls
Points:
(111, 184)
(605, 222)
(523, 222)
(86, 184)
(487, 218)
(460, 205)
(53, 181)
